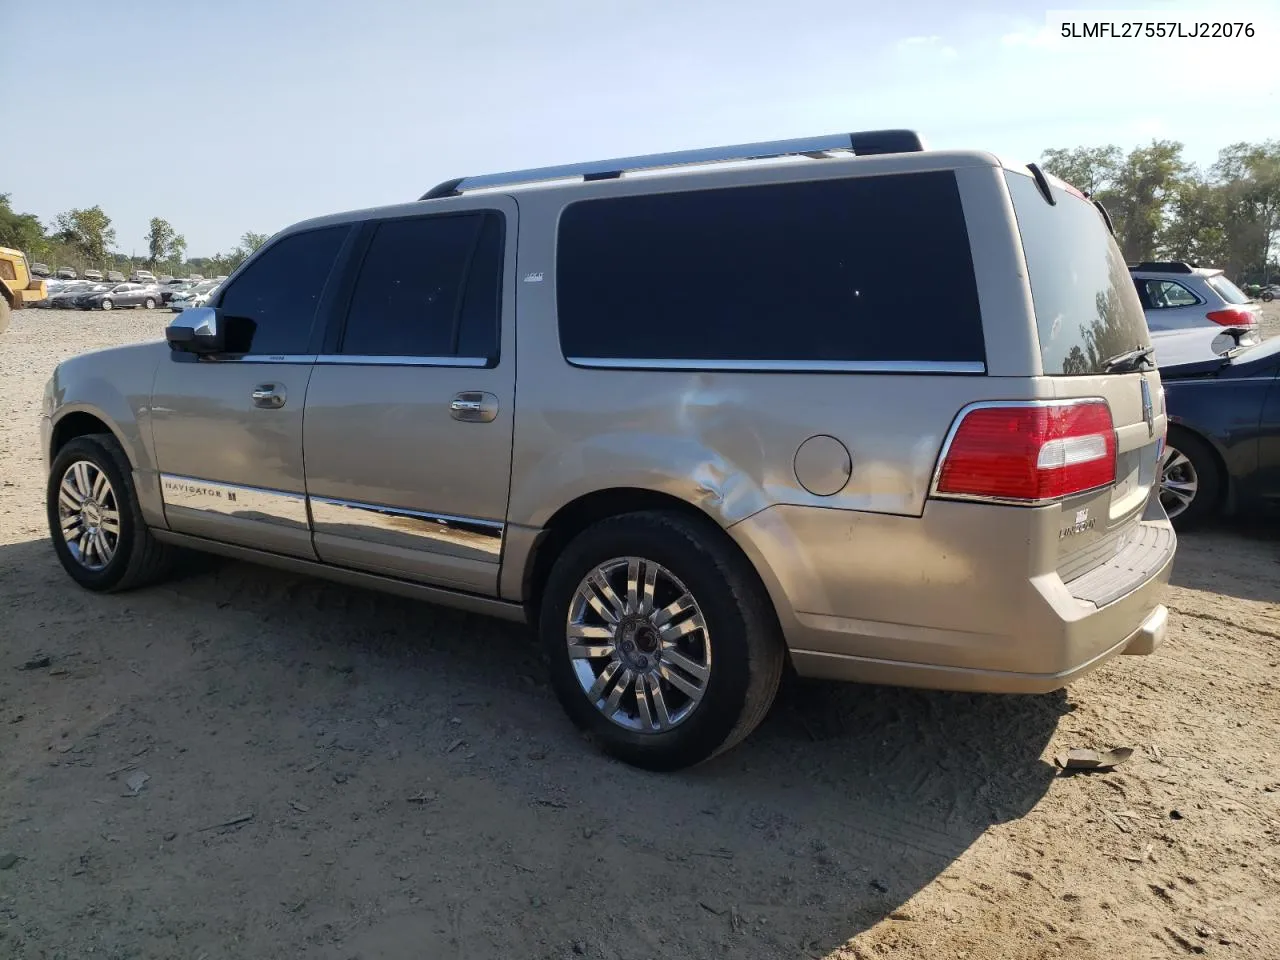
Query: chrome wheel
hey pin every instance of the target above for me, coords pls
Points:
(107, 304)
(1179, 482)
(88, 515)
(639, 644)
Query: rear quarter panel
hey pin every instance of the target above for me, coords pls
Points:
(727, 441)
(1227, 413)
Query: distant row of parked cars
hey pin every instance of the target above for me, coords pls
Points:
(177, 293)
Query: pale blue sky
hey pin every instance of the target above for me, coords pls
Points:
(250, 114)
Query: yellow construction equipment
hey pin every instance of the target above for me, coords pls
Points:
(18, 287)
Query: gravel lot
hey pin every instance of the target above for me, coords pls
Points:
(338, 774)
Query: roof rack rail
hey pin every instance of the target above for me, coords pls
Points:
(861, 144)
(1164, 266)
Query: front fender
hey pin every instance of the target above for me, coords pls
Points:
(113, 386)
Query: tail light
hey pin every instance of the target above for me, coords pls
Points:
(1232, 317)
(1030, 452)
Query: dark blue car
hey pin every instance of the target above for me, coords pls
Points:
(1223, 452)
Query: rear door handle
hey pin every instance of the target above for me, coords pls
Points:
(474, 406)
(269, 395)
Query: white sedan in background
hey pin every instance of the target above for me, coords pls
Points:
(197, 296)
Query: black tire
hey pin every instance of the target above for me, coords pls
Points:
(139, 558)
(149, 304)
(749, 652)
(107, 304)
(1208, 474)
(1267, 296)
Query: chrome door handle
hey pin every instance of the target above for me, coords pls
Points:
(474, 406)
(269, 395)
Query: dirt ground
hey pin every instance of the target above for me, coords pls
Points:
(337, 774)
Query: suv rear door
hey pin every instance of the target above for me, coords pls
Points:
(1088, 313)
(411, 406)
(228, 429)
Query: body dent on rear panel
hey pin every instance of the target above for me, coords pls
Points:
(726, 441)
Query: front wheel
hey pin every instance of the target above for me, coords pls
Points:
(97, 527)
(107, 304)
(663, 645)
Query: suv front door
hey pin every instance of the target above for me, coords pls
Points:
(228, 429)
(410, 410)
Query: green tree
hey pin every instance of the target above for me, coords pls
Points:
(21, 231)
(1091, 169)
(88, 232)
(1248, 176)
(164, 245)
(1197, 230)
(249, 242)
(1141, 197)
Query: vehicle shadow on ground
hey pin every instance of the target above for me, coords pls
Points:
(845, 803)
(1213, 558)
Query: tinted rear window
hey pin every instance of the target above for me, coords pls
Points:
(429, 287)
(1227, 290)
(1087, 309)
(818, 271)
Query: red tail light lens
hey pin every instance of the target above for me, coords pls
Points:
(1031, 452)
(1232, 317)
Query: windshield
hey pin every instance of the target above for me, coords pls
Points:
(1226, 289)
(1087, 309)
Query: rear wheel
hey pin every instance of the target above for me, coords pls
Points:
(663, 646)
(150, 303)
(1190, 483)
(97, 527)
(107, 304)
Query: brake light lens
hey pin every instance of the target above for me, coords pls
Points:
(1030, 452)
(1232, 317)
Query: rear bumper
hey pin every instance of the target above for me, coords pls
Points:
(936, 602)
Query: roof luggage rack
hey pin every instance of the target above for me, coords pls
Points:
(865, 143)
(1164, 266)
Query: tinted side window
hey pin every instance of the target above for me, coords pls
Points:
(271, 306)
(819, 271)
(428, 287)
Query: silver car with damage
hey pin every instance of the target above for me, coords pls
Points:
(681, 415)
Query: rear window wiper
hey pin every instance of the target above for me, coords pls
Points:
(1129, 361)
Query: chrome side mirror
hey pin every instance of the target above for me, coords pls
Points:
(195, 330)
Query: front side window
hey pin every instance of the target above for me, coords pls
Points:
(428, 287)
(270, 307)
(819, 271)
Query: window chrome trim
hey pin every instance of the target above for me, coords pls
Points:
(787, 366)
(934, 494)
(272, 358)
(412, 529)
(233, 500)
(339, 359)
